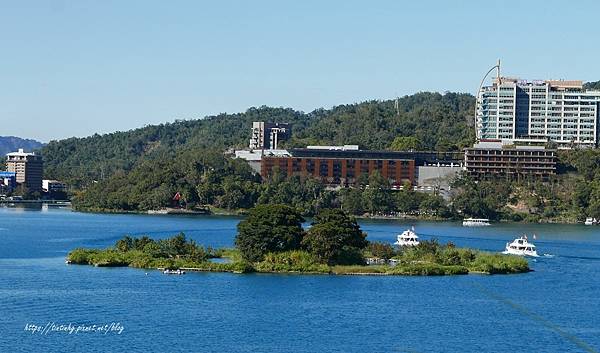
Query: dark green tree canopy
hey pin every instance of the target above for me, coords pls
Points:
(381, 250)
(405, 143)
(425, 117)
(143, 169)
(269, 228)
(335, 238)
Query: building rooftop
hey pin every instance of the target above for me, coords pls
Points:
(257, 154)
(334, 148)
(554, 83)
(566, 83)
(20, 153)
(498, 145)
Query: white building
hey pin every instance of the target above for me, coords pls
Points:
(53, 186)
(28, 168)
(267, 135)
(538, 111)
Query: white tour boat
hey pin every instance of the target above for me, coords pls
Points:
(521, 247)
(174, 272)
(407, 238)
(590, 221)
(475, 222)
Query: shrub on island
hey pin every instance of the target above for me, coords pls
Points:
(498, 264)
(291, 261)
(380, 250)
(271, 239)
(457, 260)
(145, 252)
(269, 228)
(335, 238)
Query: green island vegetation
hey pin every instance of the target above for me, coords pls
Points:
(141, 169)
(271, 240)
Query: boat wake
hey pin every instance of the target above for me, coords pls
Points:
(549, 255)
(581, 257)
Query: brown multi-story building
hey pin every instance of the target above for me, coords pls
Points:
(28, 168)
(491, 159)
(341, 165)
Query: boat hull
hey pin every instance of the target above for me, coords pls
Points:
(475, 224)
(521, 253)
(405, 243)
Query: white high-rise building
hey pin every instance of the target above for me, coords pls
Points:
(538, 111)
(28, 168)
(268, 135)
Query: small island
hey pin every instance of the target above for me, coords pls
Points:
(271, 240)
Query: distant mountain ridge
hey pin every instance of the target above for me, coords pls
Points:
(13, 143)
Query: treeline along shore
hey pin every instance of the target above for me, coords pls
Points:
(215, 182)
(142, 169)
(271, 240)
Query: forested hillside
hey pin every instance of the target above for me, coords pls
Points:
(207, 177)
(79, 161)
(438, 121)
(144, 168)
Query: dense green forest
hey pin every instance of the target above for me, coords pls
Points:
(80, 161)
(438, 122)
(144, 168)
(208, 177)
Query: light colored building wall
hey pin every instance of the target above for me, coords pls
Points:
(28, 168)
(268, 135)
(519, 110)
(53, 186)
(438, 176)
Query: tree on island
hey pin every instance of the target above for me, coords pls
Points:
(269, 228)
(124, 244)
(335, 238)
(381, 250)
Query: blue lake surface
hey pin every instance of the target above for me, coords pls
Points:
(556, 308)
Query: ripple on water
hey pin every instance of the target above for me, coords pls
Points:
(275, 313)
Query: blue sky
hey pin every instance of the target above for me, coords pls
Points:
(74, 68)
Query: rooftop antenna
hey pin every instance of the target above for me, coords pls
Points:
(478, 94)
(498, 72)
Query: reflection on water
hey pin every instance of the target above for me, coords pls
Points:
(20, 207)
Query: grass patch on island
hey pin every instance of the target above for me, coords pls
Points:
(427, 259)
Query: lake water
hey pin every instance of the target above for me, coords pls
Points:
(556, 308)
